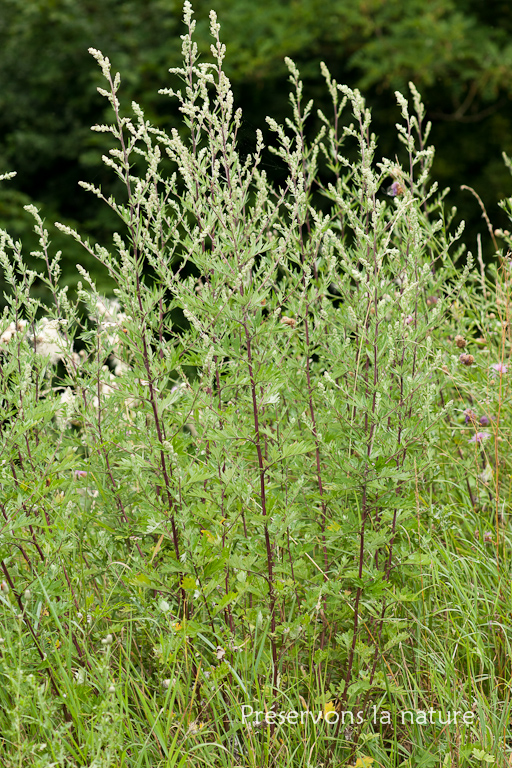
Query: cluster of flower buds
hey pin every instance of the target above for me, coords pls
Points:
(11, 330)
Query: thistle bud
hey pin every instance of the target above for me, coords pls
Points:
(467, 359)
(460, 342)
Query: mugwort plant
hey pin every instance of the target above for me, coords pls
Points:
(212, 480)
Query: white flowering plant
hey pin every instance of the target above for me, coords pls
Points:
(212, 481)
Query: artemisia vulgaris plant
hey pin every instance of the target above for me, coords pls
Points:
(210, 482)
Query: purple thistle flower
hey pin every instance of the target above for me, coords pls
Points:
(395, 189)
(469, 416)
(79, 473)
(499, 367)
(480, 437)
(485, 421)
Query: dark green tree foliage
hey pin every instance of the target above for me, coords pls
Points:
(458, 54)
(48, 101)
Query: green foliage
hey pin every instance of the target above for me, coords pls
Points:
(242, 488)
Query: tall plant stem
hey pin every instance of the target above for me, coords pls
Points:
(268, 545)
